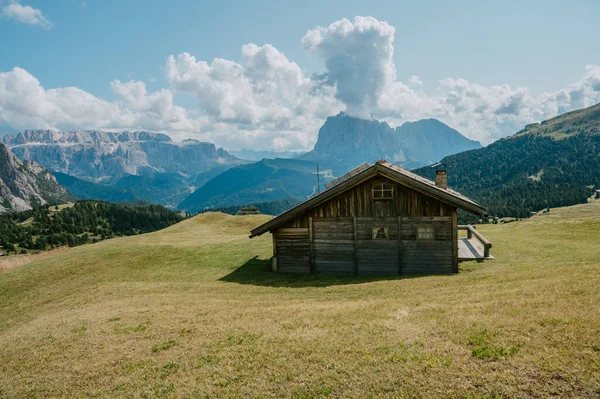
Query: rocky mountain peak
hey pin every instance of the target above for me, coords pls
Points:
(26, 184)
(345, 142)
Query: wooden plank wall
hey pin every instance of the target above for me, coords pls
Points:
(293, 250)
(357, 202)
(336, 236)
(333, 245)
(377, 256)
(427, 257)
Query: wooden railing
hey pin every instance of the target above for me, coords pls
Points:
(472, 231)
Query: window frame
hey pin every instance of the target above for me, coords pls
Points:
(375, 231)
(426, 226)
(382, 188)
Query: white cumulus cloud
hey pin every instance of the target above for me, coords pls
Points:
(263, 100)
(25, 14)
(26, 104)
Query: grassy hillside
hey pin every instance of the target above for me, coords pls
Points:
(568, 124)
(193, 311)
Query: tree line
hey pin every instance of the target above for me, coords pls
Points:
(86, 221)
(267, 208)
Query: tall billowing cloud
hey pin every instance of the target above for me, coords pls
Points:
(25, 15)
(358, 57)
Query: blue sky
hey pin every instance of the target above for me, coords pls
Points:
(540, 47)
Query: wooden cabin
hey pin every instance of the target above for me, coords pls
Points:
(378, 219)
(248, 210)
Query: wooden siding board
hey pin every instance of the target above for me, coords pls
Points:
(377, 256)
(333, 245)
(292, 247)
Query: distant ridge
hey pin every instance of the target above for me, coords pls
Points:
(264, 181)
(99, 155)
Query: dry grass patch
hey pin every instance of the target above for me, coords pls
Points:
(13, 261)
(194, 311)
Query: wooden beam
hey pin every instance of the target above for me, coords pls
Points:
(310, 245)
(274, 264)
(399, 244)
(355, 247)
(454, 241)
(472, 231)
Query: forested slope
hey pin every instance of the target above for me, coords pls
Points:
(551, 164)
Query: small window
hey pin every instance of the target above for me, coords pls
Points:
(380, 233)
(425, 233)
(383, 191)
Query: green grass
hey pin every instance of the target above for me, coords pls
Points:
(194, 311)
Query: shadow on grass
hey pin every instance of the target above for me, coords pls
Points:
(258, 272)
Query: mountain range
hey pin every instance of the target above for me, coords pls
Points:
(128, 166)
(148, 166)
(547, 164)
(24, 185)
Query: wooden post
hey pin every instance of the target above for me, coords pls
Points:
(310, 245)
(454, 241)
(399, 244)
(274, 264)
(355, 246)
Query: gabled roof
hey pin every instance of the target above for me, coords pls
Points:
(384, 168)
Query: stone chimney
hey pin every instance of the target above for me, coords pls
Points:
(441, 178)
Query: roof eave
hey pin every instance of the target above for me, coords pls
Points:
(314, 201)
(377, 168)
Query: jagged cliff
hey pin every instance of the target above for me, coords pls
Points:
(26, 184)
(98, 155)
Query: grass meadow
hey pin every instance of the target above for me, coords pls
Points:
(194, 311)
